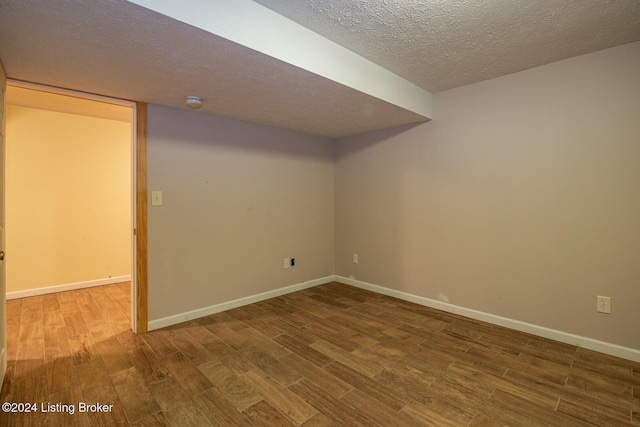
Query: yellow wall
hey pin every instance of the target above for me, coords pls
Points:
(68, 198)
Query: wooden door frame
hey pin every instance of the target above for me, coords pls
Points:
(139, 273)
(141, 322)
(3, 288)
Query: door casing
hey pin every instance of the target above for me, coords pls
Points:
(139, 322)
(3, 291)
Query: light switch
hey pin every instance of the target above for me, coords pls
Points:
(156, 198)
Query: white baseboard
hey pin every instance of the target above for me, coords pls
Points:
(541, 331)
(217, 308)
(67, 287)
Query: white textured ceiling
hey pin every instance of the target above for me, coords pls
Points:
(119, 49)
(442, 44)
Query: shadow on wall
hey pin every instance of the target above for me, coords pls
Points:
(371, 174)
(190, 128)
(354, 144)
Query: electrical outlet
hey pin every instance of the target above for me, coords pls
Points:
(287, 262)
(355, 258)
(293, 262)
(603, 304)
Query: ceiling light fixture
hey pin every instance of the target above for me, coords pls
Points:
(194, 102)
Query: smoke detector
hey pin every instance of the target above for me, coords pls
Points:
(194, 102)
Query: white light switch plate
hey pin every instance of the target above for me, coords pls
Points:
(156, 198)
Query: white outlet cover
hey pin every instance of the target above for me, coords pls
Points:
(603, 304)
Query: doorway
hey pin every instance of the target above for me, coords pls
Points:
(88, 214)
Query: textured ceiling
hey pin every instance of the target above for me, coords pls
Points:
(442, 44)
(119, 49)
(116, 48)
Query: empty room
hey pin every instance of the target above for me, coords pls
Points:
(340, 213)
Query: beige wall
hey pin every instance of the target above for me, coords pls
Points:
(520, 199)
(68, 198)
(238, 199)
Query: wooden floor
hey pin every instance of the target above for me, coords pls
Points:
(329, 355)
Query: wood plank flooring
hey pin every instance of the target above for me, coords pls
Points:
(325, 356)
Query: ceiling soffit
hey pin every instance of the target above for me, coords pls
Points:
(119, 49)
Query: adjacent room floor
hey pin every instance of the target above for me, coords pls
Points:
(329, 355)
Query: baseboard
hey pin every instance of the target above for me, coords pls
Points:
(67, 287)
(217, 308)
(3, 366)
(541, 331)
